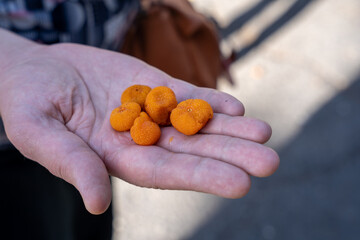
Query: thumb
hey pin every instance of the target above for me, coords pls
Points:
(66, 156)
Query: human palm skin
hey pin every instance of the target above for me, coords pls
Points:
(56, 100)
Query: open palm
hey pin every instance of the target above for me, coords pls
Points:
(56, 110)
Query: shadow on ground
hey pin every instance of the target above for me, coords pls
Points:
(296, 8)
(314, 194)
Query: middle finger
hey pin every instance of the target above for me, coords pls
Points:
(256, 159)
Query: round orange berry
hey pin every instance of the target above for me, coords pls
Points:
(159, 103)
(191, 115)
(122, 118)
(144, 131)
(135, 93)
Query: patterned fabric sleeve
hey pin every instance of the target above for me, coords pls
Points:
(100, 23)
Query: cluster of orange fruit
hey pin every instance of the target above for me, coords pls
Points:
(143, 109)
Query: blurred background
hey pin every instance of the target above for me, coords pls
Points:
(298, 68)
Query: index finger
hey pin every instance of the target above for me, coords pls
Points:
(220, 102)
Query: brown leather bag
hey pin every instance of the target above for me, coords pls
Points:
(172, 36)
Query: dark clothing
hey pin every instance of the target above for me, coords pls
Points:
(37, 205)
(100, 23)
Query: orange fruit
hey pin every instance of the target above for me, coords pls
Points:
(191, 115)
(159, 103)
(135, 93)
(144, 131)
(122, 118)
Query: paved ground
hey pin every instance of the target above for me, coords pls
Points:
(298, 68)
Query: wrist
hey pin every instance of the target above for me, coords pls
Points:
(14, 49)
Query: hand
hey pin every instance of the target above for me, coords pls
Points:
(56, 103)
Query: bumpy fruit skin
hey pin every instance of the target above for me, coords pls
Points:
(191, 115)
(123, 117)
(144, 131)
(159, 103)
(135, 93)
